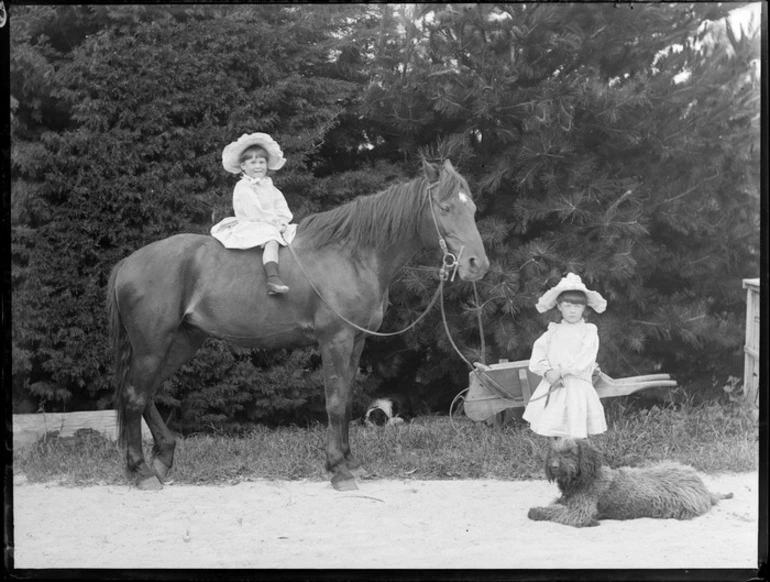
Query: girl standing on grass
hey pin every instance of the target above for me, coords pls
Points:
(262, 216)
(565, 403)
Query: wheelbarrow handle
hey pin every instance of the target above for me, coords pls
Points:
(634, 379)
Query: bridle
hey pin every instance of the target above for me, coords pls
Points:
(448, 260)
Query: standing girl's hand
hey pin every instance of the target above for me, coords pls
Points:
(552, 376)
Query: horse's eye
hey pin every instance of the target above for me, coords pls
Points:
(445, 208)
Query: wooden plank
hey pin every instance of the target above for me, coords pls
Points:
(30, 428)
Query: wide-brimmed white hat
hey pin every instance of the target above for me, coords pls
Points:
(231, 155)
(571, 282)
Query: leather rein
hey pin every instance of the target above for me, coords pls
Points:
(448, 262)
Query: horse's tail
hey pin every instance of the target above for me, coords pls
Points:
(121, 351)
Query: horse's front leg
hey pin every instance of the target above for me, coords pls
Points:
(352, 463)
(336, 354)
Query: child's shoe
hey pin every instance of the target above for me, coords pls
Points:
(274, 284)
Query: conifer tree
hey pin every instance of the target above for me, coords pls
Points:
(602, 139)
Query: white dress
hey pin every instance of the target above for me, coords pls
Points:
(260, 212)
(575, 410)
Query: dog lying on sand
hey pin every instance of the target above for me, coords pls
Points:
(591, 491)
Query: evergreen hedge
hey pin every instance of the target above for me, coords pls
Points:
(621, 143)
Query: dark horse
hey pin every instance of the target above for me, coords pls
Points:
(166, 298)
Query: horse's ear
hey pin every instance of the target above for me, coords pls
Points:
(431, 171)
(448, 166)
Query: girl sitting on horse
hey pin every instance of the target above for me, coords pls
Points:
(262, 217)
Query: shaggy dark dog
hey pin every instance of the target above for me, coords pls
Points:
(591, 491)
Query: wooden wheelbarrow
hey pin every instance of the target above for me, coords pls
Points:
(498, 387)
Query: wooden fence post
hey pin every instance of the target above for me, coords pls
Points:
(751, 347)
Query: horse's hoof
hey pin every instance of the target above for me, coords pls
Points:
(160, 469)
(345, 485)
(149, 484)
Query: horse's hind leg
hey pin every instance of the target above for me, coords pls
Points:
(186, 343)
(135, 399)
(165, 443)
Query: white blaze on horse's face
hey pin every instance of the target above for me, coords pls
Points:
(465, 199)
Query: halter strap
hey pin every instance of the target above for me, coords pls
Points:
(448, 260)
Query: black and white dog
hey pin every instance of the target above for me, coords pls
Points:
(388, 410)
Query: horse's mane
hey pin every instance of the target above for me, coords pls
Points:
(377, 220)
(372, 221)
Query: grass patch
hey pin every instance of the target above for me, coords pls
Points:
(711, 438)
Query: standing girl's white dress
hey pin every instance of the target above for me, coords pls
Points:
(573, 410)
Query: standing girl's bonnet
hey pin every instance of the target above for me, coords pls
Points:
(571, 282)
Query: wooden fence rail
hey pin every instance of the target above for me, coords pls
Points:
(30, 428)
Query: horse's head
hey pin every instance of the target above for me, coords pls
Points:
(452, 210)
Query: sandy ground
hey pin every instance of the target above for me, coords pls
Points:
(385, 524)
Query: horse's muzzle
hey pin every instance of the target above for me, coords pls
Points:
(474, 269)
